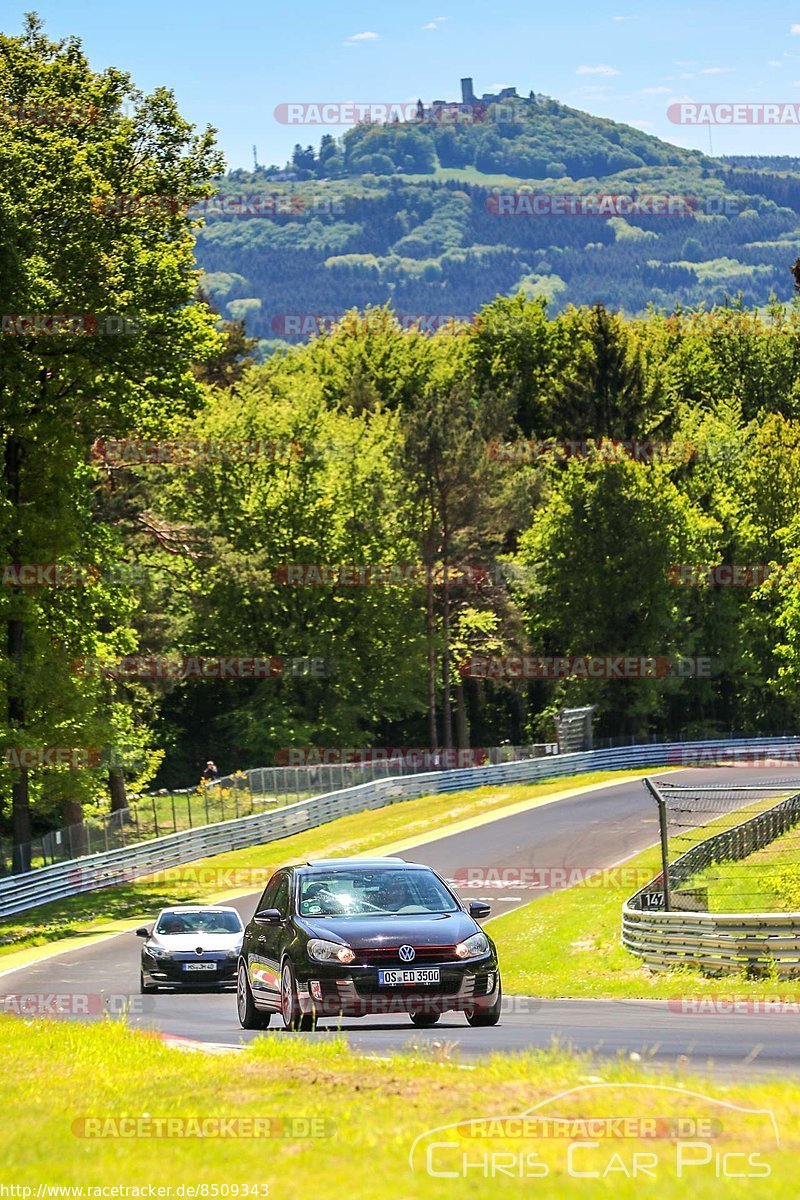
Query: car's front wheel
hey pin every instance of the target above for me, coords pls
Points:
(478, 1017)
(250, 1017)
(293, 1015)
(146, 989)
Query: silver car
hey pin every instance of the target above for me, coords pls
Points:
(190, 945)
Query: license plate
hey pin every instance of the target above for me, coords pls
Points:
(399, 978)
(199, 966)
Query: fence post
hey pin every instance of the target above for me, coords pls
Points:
(155, 815)
(174, 818)
(189, 807)
(662, 825)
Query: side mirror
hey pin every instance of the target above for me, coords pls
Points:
(143, 931)
(479, 908)
(268, 916)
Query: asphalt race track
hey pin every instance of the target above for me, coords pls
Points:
(593, 831)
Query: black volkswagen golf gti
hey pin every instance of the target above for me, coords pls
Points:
(363, 937)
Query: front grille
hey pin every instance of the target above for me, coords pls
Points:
(388, 956)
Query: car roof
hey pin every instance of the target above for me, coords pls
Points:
(351, 863)
(193, 908)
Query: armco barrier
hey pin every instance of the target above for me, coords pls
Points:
(21, 892)
(718, 943)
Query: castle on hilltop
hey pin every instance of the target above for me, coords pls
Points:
(470, 107)
(468, 95)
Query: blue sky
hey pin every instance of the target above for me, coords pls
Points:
(230, 65)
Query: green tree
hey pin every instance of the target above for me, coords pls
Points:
(111, 284)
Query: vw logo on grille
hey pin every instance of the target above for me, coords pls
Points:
(407, 953)
(199, 950)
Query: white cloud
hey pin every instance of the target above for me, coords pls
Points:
(716, 70)
(362, 37)
(795, 30)
(656, 91)
(624, 18)
(435, 23)
(775, 62)
(601, 70)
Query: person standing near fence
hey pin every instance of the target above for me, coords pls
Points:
(210, 774)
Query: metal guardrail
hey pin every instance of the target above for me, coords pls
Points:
(153, 814)
(717, 943)
(24, 891)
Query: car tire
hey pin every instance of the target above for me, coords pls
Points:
(424, 1020)
(250, 1017)
(146, 989)
(480, 1017)
(293, 1016)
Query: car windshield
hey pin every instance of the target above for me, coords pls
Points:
(207, 921)
(381, 892)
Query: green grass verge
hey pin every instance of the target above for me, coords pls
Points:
(247, 870)
(371, 1112)
(767, 881)
(567, 944)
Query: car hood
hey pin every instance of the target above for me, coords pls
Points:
(418, 929)
(182, 943)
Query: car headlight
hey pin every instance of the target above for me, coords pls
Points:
(158, 951)
(234, 954)
(473, 947)
(332, 952)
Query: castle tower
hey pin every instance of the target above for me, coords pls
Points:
(467, 94)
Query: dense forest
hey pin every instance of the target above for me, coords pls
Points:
(431, 218)
(384, 536)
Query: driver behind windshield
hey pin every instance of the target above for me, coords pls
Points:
(395, 894)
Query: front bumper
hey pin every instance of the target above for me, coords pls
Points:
(171, 971)
(355, 992)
